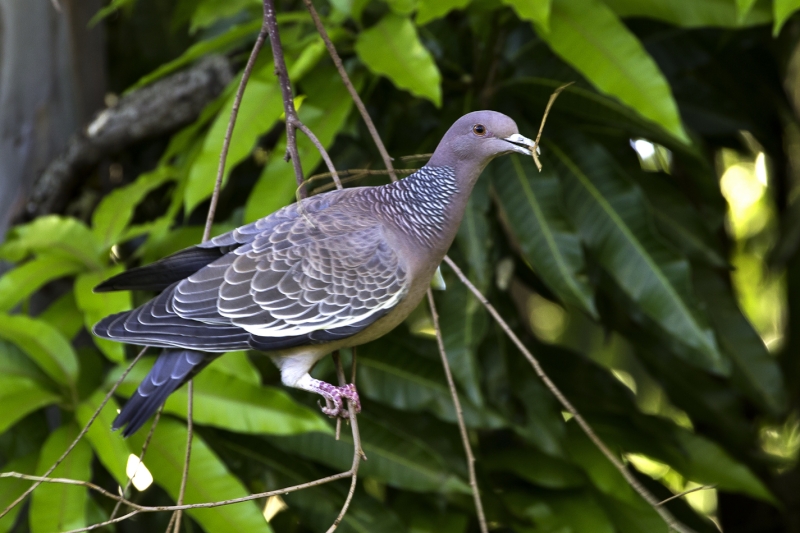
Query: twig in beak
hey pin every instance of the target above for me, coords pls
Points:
(544, 119)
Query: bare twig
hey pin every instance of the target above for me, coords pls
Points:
(358, 452)
(141, 458)
(286, 90)
(544, 119)
(185, 474)
(473, 479)
(77, 439)
(587, 429)
(324, 153)
(352, 90)
(684, 493)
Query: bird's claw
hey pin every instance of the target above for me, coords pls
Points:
(334, 399)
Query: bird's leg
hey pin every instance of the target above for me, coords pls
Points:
(334, 396)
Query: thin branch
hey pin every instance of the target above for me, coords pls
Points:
(286, 89)
(141, 458)
(324, 153)
(185, 474)
(387, 161)
(358, 452)
(684, 493)
(473, 479)
(226, 144)
(632, 481)
(78, 438)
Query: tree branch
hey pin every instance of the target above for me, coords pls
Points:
(587, 429)
(473, 479)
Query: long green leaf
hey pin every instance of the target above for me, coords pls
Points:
(395, 456)
(111, 448)
(44, 344)
(209, 480)
(694, 14)
(782, 10)
(573, 511)
(537, 12)
(57, 507)
(324, 111)
(590, 37)
(98, 305)
(225, 401)
(20, 396)
(612, 218)
(11, 489)
(54, 235)
(530, 202)
(27, 278)
(392, 48)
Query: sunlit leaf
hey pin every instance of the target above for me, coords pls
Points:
(782, 10)
(64, 315)
(537, 12)
(54, 235)
(392, 48)
(208, 12)
(98, 305)
(428, 10)
(222, 400)
(693, 14)
(209, 480)
(20, 396)
(612, 219)
(44, 344)
(11, 489)
(29, 277)
(238, 365)
(530, 202)
(111, 448)
(590, 37)
(58, 507)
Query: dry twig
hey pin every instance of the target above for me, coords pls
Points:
(544, 119)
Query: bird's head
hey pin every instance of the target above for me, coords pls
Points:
(477, 138)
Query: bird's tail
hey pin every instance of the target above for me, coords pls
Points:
(172, 369)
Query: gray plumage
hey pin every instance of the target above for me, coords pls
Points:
(337, 270)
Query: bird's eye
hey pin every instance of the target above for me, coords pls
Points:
(479, 129)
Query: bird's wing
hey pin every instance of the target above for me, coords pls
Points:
(324, 271)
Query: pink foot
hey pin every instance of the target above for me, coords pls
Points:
(335, 396)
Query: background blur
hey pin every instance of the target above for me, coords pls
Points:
(653, 265)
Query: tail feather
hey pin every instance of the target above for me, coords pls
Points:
(172, 369)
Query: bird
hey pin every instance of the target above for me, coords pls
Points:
(331, 271)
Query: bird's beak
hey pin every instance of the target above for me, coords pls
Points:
(519, 143)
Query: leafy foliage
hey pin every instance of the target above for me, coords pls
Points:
(615, 269)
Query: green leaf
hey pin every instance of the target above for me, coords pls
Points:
(237, 365)
(20, 396)
(11, 489)
(15, 364)
(209, 479)
(693, 14)
(531, 208)
(428, 10)
(590, 37)
(536, 467)
(113, 7)
(537, 12)
(473, 236)
(57, 507)
(392, 48)
(324, 111)
(259, 111)
(53, 235)
(115, 211)
(18, 284)
(222, 400)
(98, 305)
(463, 323)
(208, 12)
(557, 511)
(44, 344)
(612, 219)
(64, 316)
(754, 368)
(782, 10)
(396, 457)
(391, 372)
(111, 448)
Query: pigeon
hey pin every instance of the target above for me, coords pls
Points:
(332, 271)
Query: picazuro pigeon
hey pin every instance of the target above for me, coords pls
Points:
(336, 270)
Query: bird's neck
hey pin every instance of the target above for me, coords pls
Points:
(428, 205)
